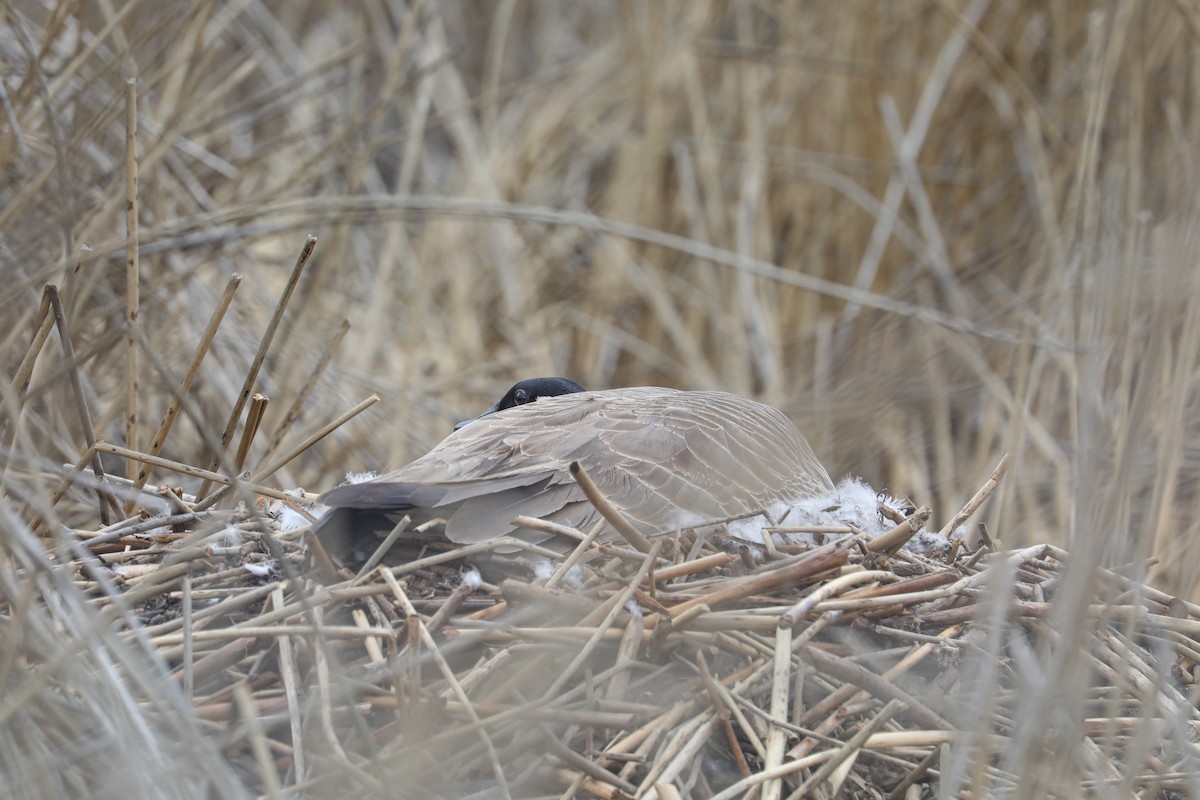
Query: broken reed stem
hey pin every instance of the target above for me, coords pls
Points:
(45, 323)
(856, 742)
(189, 676)
(880, 687)
(258, 407)
(977, 500)
(576, 554)
(792, 617)
(608, 510)
(383, 547)
(132, 277)
(553, 528)
(823, 559)
(702, 564)
(69, 480)
(195, 472)
(781, 681)
(898, 536)
(627, 652)
(258, 742)
(451, 604)
(264, 347)
(724, 713)
(263, 473)
(12, 406)
(132, 527)
(293, 412)
(581, 763)
(447, 673)
(185, 385)
(350, 632)
(682, 750)
(617, 606)
(81, 407)
(287, 670)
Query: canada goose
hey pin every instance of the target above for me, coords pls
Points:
(665, 458)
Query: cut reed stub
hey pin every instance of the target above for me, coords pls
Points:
(607, 510)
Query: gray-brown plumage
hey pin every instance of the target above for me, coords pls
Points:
(665, 458)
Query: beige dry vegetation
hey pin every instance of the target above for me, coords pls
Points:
(931, 231)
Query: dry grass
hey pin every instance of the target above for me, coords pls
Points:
(932, 232)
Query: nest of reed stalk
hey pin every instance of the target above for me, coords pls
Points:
(205, 647)
(699, 669)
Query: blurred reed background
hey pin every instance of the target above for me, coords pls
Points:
(932, 232)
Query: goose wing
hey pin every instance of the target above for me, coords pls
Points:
(665, 458)
(680, 458)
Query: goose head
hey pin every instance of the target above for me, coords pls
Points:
(527, 391)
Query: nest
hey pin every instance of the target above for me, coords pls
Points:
(702, 667)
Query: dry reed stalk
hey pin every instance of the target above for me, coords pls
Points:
(264, 472)
(264, 346)
(793, 616)
(258, 742)
(302, 396)
(400, 527)
(133, 527)
(823, 559)
(780, 685)
(894, 539)
(610, 610)
(847, 751)
(416, 624)
(976, 500)
(42, 328)
(189, 375)
(575, 555)
(107, 502)
(132, 280)
(608, 510)
(254, 415)
(185, 469)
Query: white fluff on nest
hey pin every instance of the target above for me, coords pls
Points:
(852, 502)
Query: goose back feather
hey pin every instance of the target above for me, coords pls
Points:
(665, 458)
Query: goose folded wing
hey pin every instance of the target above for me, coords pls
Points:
(399, 495)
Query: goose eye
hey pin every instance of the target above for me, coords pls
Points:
(522, 397)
